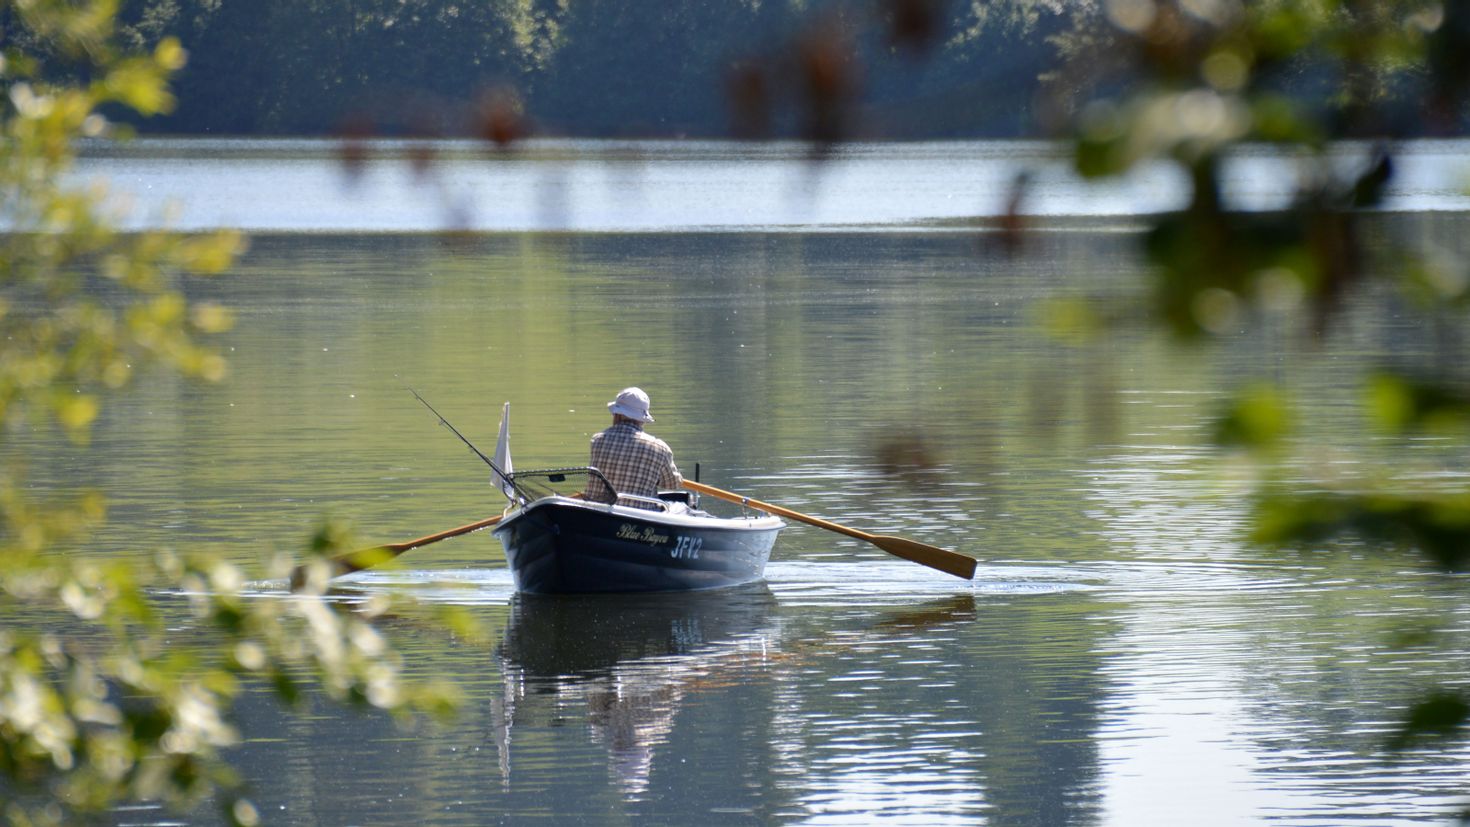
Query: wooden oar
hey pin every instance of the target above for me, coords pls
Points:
(934, 557)
(369, 557)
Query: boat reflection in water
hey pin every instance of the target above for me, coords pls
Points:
(623, 663)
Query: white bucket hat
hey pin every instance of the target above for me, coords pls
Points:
(632, 403)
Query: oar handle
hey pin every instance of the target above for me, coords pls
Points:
(777, 510)
(445, 535)
(368, 557)
(934, 557)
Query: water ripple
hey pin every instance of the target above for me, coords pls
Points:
(885, 582)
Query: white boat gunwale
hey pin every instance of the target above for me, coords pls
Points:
(681, 519)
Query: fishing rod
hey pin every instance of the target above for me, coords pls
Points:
(478, 452)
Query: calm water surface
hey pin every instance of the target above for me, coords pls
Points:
(1121, 658)
(660, 186)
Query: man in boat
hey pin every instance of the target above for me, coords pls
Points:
(634, 461)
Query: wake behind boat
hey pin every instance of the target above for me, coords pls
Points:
(556, 543)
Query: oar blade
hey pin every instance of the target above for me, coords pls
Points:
(363, 559)
(934, 557)
(347, 563)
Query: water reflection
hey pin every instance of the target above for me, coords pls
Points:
(623, 664)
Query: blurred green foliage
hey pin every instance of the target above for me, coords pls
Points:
(1186, 84)
(1258, 418)
(1330, 84)
(1438, 715)
(1401, 403)
(95, 708)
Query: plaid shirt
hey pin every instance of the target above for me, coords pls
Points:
(633, 462)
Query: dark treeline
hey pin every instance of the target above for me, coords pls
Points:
(838, 68)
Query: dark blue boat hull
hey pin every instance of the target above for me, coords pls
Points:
(564, 546)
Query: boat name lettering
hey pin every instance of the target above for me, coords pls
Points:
(646, 534)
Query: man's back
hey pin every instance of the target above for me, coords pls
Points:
(634, 462)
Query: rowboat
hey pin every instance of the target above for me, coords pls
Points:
(558, 543)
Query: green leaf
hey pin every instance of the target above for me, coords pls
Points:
(1370, 186)
(76, 413)
(1257, 418)
(1399, 403)
(286, 687)
(241, 812)
(1440, 714)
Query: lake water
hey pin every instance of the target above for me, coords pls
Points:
(664, 186)
(833, 339)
